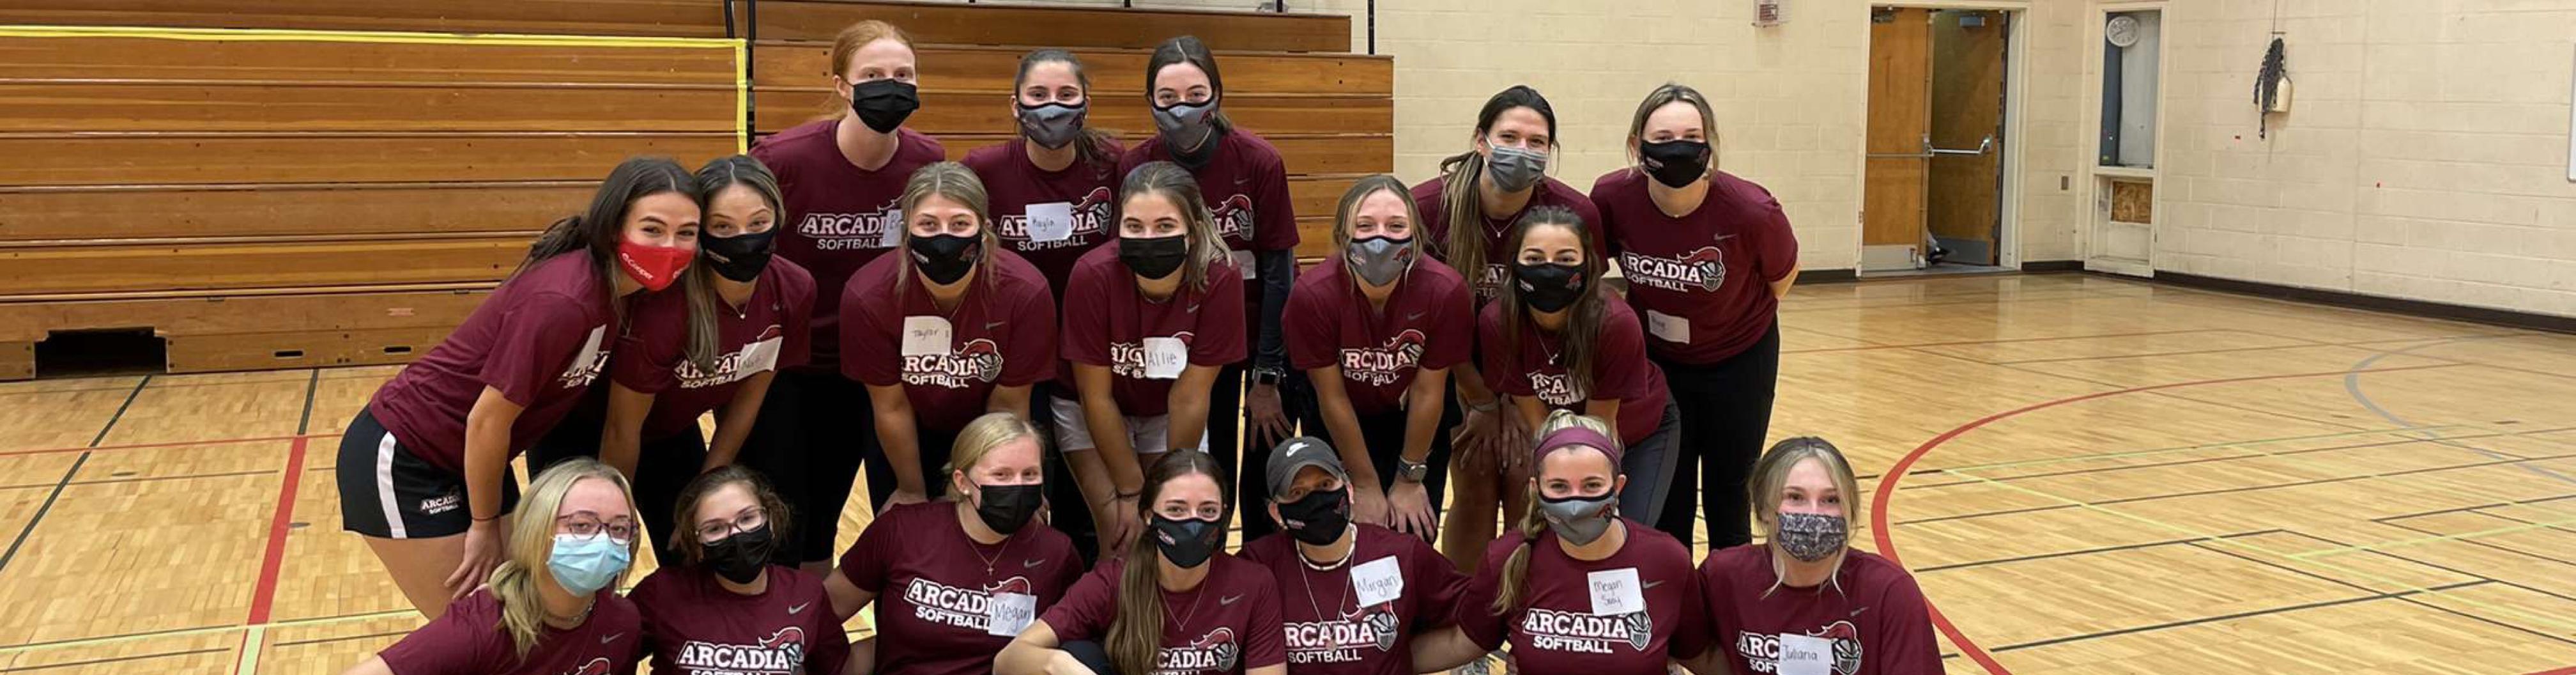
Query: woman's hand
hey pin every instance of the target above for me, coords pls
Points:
(1409, 510)
(1268, 419)
(1368, 505)
(482, 553)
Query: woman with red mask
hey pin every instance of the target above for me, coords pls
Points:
(1246, 187)
(424, 470)
(841, 176)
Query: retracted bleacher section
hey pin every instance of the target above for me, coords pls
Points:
(267, 203)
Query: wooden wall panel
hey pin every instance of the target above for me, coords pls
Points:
(667, 18)
(307, 210)
(216, 267)
(168, 159)
(993, 23)
(961, 68)
(294, 108)
(380, 63)
(1127, 115)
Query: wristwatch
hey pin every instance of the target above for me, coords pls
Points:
(1268, 376)
(1412, 471)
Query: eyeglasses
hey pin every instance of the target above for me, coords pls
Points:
(713, 531)
(587, 524)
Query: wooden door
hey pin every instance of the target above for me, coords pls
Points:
(1900, 96)
(1967, 132)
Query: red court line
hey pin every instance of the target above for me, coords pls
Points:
(265, 594)
(1880, 498)
(171, 444)
(2570, 670)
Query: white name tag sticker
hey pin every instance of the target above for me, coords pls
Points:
(1378, 581)
(925, 335)
(1165, 357)
(1667, 327)
(1805, 655)
(1010, 613)
(1051, 221)
(1615, 592)
(1243, 261)
(759, 356)
(893, 235)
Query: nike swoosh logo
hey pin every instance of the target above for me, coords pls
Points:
(611, 638)
(792, 610)
(1194, 309)
(1415, 315)
(1652, 584)
(1032, 564)
(1724, 237)
(989, 325)
(1229, 600)
(1857, 612)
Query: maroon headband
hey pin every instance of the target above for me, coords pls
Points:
(1573, 436)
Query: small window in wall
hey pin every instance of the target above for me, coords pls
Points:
(2129, 57)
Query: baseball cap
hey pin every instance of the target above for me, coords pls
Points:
(1296, 454)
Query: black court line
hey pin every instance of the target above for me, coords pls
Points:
(2232, 617)
(2466, 540)
(145, 479)
(2252, 488)
(120, 411)
(2545, 526)
(125, 636)
(2106, 469)
(304, 424)
(344, 638)
(2438, 566)
(1918, 571)
(2383, 520)
(2366, 589)
(5, 558)
(118, 659)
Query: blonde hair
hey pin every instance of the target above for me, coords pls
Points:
(1665, 95)
(1533, 524)
(982, 436)
(957, 183)
(849, 41)
(1771, 475)
(1361, 190)
(532, 542)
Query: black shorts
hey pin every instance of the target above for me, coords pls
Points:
(389, 493)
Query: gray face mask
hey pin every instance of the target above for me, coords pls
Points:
(1380, 260)
(1812, 537)
(1184, 125)
(1515, 169)
(1578, 520)
(1052, 125)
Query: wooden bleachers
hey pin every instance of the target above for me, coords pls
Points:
(287, 204)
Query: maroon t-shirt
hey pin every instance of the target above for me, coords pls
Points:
(1229, 624)
(1429, 200)
(469, 640)
(1246, 188)
(935, 586)
(541, 339)
(1329, 632)
(1619, 368)
(1114, 325)
(1002, 333)
(1554, 630)
(839, 216)
(1427, 323)
(1088, 193)
(699, 628)
(1877, 623)
(1702, 280)
(766, 333)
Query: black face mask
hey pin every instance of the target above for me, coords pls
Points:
(1187, 543)
(1007, 508)
(740, 557)
(946, 258)
(1319, 518)
(1548, 287)
(740, 257)
(1674, 163)
(883, 104)
(1154, 258)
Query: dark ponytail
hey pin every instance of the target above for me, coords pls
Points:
(700, 281)
(1136, 629)
(1582, 331)
(1461, 202)
(1092, 147)
(597, 229)
(1188, 49)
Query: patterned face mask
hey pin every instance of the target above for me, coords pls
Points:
(1810, 536)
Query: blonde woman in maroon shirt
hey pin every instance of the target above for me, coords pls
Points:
(1805, 594)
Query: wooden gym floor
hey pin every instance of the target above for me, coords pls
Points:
(2088, 475)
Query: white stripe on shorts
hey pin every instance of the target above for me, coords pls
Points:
(385, 486)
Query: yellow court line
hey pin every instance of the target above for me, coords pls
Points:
(249, 662)
(297, 35)
(2542, 619)
(741, 48)
(2433, 539)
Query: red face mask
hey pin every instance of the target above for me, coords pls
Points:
(653, 266)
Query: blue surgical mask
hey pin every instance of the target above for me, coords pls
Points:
(583, 565)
